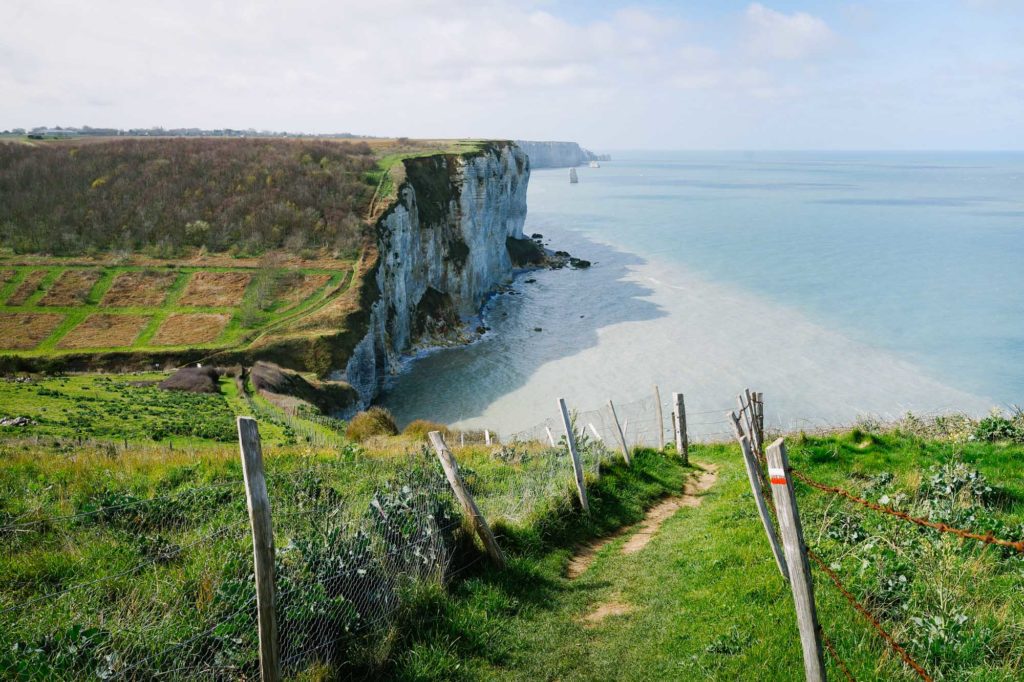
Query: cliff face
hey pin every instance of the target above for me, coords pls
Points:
(443, 247)
(557, 154)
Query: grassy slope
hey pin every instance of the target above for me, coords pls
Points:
(708, 601)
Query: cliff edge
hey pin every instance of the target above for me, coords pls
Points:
(443, 247)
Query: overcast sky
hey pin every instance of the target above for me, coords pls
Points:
(896, 74)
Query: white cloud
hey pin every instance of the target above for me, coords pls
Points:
(775, 35)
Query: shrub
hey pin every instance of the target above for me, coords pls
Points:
(376, 421)
(997, 427)
(419, 429)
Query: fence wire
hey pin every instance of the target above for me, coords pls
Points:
(127, 586)
(640, 421)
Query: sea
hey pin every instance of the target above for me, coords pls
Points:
(840, 285)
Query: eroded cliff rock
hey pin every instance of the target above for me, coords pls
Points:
(443, 247)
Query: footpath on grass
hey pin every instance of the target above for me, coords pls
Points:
(688, 592)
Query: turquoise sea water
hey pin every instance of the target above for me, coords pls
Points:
(837, 283)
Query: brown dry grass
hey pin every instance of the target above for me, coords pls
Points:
(6, 275)
(24, 331)
(215, 289)
(303, 287)
(103, 330)
(198, 259)
(28, 286)
(71, 288)
(190, 328)
(139, 288)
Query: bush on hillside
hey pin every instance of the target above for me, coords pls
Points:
(419, 429)
(998, 427)
(376, 421)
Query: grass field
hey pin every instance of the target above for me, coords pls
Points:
(49, 307)
(703, 600)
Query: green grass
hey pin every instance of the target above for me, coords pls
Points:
(706, 601)
(703, 600)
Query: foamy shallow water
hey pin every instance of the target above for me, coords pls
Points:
(694, 312)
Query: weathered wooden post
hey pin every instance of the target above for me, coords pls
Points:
(661, 418)
(551, 436)
(619, 431)
(748, 424)
(258, 504)
(577, 466)
(595, 432)
(487, 437)
(757, 488)
(760, 415)
(800, 579)
(679, 424)
(755, 439)
(451, 472)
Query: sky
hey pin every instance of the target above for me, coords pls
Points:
(888, 74)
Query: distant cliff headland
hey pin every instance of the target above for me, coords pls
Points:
(558, 154)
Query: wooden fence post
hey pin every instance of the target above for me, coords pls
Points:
(487, 437)
(661, 418)
(679, 423)
(595, 432)
(577, 466)
(748, 424)
(262, 546)
(752, 406)
(800, 579)
(618, 430)
(451, 472)
(760, 416)
(551, 436)
(757, 488)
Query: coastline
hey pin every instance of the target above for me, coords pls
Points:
(703, 338)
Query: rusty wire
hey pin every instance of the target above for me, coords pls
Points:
(883, 633)
(835, 656)
(987, 538)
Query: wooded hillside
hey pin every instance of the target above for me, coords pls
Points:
(165, 196)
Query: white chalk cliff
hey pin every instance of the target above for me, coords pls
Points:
(558, 154)
(442, 250)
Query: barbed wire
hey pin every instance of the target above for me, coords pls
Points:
(860, 608)
(987, 538)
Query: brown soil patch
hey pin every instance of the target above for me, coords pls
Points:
(71, 288)
(655, 516)
(139, 288)
(298, 289)
(28, 286)
(190, 328)
(611, 608)
(103, 330)
(24, 331)
(208, 289)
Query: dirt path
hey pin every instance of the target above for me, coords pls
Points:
(656, 515)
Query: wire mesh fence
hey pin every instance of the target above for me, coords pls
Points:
(648, 422)
(135, 586)
(126, 585)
